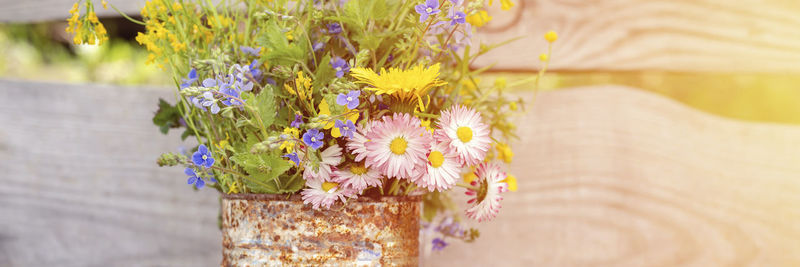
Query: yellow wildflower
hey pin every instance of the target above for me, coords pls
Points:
(289, 35)
(544, 57)
(512, 106)
(504, 152)
(403, 84)
(105, 4)
(427, 124)
(511, 181)
(551, 36)
(223, 144)
(325, 109)
(506, 4)
(500, 83)
(470, 176)
(288, 143)
(176, 6)
(233, 187)
(478, 19)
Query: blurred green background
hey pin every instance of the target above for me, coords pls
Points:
(42, 52)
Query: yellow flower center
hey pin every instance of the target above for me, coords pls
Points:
(358, 170)
(464, 134)
(327, 186)
(398, 146)
(436, 159)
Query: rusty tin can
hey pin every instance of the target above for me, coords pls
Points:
(276, 230)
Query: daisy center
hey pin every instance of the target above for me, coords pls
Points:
(358, 170)
(398, 146)
(436, 159)
(327, 186)
(464, 134)
(482, 190)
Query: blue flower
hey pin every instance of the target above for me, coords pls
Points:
(193, 178)
(250, 50)
(350, 100)
(347, 128)
(456, 17)
(190, 79)
(335, 28)
(203, 157)
(233, 100)
(438, 244)
(340, 66)
(294, 158)
(430, 7)
(298, 120)
(313, 138)
(209, 101)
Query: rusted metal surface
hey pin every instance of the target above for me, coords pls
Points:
(273, 230)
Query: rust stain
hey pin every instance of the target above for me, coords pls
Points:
(273, 230)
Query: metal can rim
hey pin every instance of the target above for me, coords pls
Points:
(298, 198)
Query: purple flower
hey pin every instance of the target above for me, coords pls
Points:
(350, 100)
(340, 66)
(347, 128)
(456, 17)
(233, 99)
(294, 158)
(193, 178)
(298, 120)
(190, 79)
(318, 46)
(203, 157)
(430, 7)
(438, 244)
(313, 138)
(250, 50)
(334, 28)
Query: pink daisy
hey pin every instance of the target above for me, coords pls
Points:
(486, 194)
(322, 194)
(356, 145)
(463, 130)
(358, 177)
(331, 157)
(397, 144)
(441, 170)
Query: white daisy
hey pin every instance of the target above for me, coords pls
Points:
(397, 145)
(331, 157)
(441, 170)
(463, 130)
(322, 194)
(486, 194)
(357, 177)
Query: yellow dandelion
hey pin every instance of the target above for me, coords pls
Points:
(404, 84)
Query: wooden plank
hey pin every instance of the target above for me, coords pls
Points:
(609, 176)
(80, 186)
(58, 10)
(677, 35)
(684, 35)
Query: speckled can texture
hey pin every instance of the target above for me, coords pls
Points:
(276, 230)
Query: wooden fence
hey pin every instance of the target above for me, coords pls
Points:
(608, 175)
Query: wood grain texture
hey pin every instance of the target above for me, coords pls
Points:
(679, 35)
(675, 35)
(608, 176)
(79, 185)
(611, 176)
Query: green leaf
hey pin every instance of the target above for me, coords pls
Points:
(280, 50)
(167, 116)
(262, 170)
(324, 73)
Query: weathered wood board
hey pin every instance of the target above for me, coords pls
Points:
(608, 176)
(683, 35)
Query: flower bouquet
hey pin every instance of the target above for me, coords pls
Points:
(333, 101)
